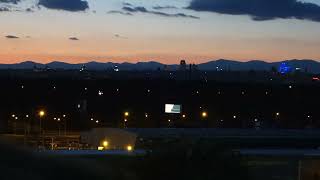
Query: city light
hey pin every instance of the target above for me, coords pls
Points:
(183, 116)
(41, 113)
(234, 117)
(100, 148)
(129, 148)
(277, 114)
(204, 114)
(13, 115)
(105, 144)
(64, 115)
(97, 121)
(146, 115)
(126, 114)
(16, 118)
(27, 116)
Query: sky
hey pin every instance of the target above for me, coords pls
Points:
(167, 31)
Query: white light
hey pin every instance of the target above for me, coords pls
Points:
(54, 118)
(27, 115)
(85, 89)
(16, 117)
(79, 106)
(64, 115)
(22, 87)
(97, 121)
(91, 119)
(100, 93)
(277, 113)
(290, 87)
(234, 117)
(169, 120)
(256, 120)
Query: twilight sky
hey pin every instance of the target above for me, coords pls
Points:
(161, 30)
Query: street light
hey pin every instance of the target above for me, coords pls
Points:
(126, 114)
(41, 114)
(105, 144)
(129, 148)
(204, 114)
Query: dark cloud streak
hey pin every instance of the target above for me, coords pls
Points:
(73, 39)
(11, 37)
(67, 5)
(144, 10)
(164, 7)
(260, 10)
(120, 12)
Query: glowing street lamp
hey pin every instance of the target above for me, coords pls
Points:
(204, 114)
(105, 144)
(129, 148)
(126, 114)
(41, 114)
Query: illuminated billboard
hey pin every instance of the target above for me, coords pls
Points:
(173, 108)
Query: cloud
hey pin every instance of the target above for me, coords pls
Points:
(120, 12)
(260, 10)
(10, 1)
(73, 39)
(11, 37)
(67, 5)
(4, 9)
(120, 37)
(164, 7)
(144, 10)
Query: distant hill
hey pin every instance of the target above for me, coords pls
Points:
(311, 66)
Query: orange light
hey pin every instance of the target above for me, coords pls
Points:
(41, 113)
(129, 148)
(204, 114)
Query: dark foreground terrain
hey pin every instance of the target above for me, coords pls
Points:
(173, 162)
